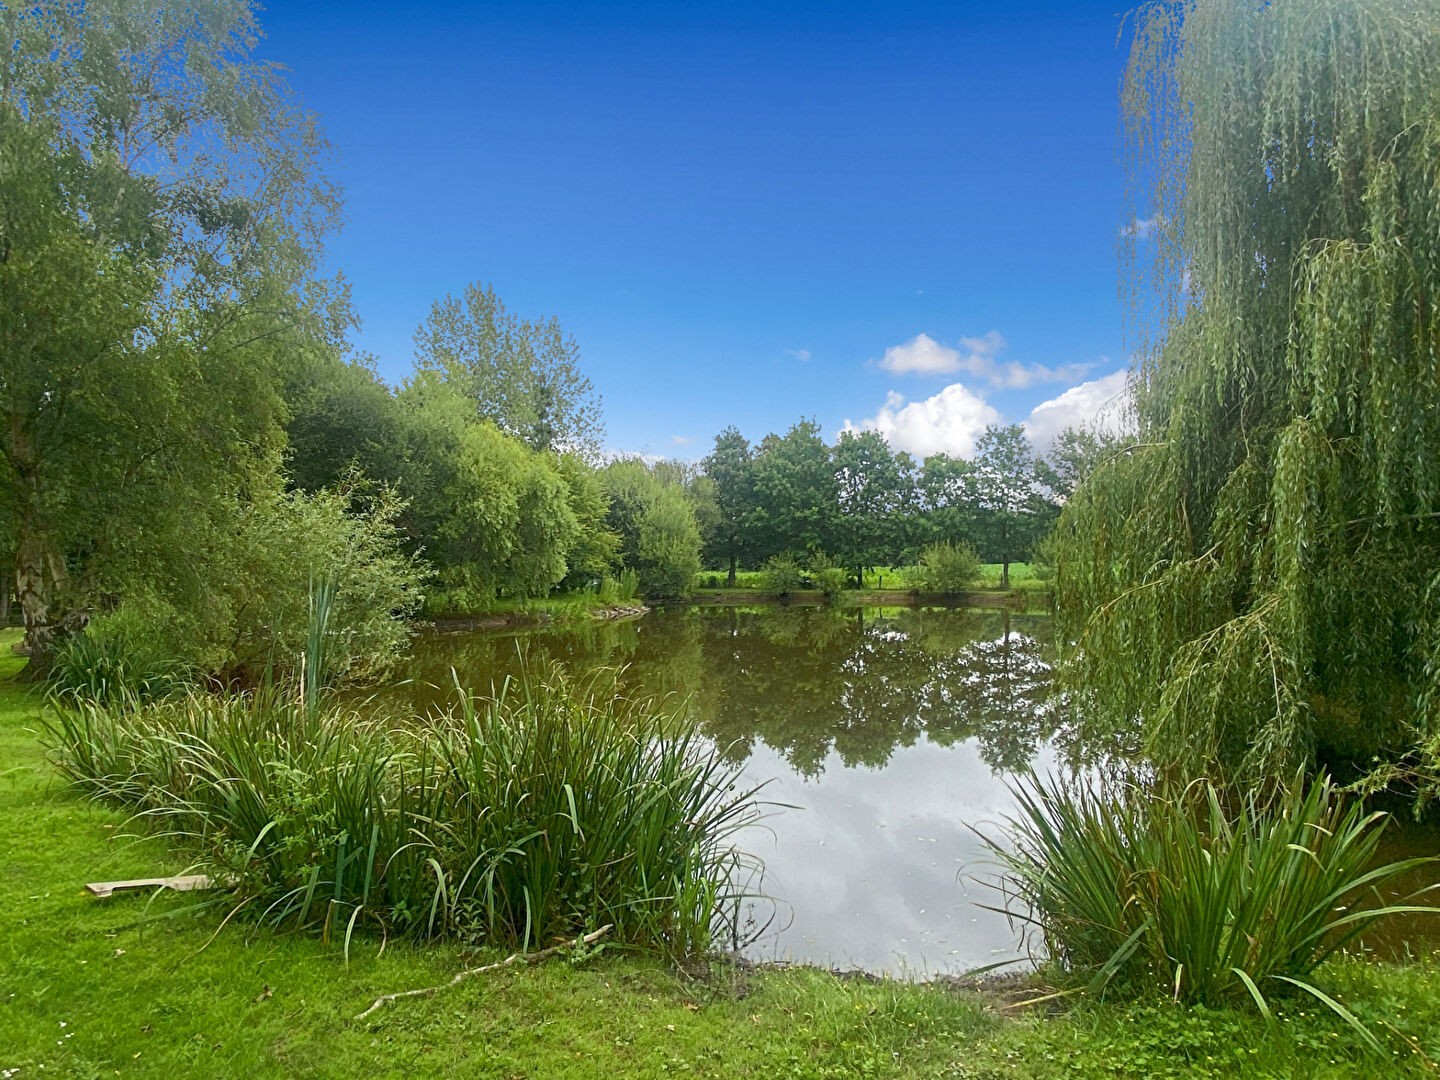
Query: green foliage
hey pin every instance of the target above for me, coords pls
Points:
(1253, 577)
(655, 521)
(795, 492)
(1009, 490)
(947, 568)
(782, 575)
(619, 590)
(730, 467)
(242, 605)
(873, 491)
(1141, 888)
(521, 375)
(549, 809)
(117, 658)
(496, 518)
(827, 575)
(151, 291)
(667, 556)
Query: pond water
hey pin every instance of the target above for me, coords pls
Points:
(889, 733)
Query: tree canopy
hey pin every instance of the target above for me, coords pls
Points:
(161, 207)
(523, 375)
(1255, 580)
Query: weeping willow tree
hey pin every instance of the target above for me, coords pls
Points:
(1257, 581)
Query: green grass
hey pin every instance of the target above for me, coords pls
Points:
(88, 993)
(885, 578)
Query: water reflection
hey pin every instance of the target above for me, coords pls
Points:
(889, 730)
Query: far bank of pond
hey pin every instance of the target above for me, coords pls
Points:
(888, 733)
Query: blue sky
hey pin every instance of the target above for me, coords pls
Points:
(744, 213)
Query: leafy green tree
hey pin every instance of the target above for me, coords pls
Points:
(160, 212)
(796, 498)
(1009, 493)
(494, 517)
(655, 521)
(1075, 454)
(522, 375)
(342, 418)
(597, 547)
(870, 489)
(1255, 579)
(667, 557)
(731, 469)
(946, 500)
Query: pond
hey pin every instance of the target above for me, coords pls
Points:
(889, 734)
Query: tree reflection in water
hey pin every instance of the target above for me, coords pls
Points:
(802, 681)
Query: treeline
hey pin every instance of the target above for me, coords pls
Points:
(188, 444)
(858, 504)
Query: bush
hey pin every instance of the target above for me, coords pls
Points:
(947, 567)
(551, 809)
(240, 605)
(782, 575)
(828, 575)
(117, 657)
(1132, 887)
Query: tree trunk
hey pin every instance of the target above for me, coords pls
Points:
(1004, 554)
(34, 595)
(731, 579)
(37, 570)
(7, 586)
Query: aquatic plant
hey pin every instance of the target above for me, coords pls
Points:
(546, 809)
(1133, 886)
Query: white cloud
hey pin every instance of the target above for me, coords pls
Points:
(799, 354)
(949, 422)
(682, 440)
(922, 354)
(977, 357)
(1142, 229)
(1100, 403)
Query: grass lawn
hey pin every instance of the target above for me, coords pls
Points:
(86, 990)
(1022, 578)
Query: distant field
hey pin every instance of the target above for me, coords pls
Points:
(1022, 577)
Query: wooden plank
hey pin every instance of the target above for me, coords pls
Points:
(101, 890)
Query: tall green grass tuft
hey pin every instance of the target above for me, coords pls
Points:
(545, 810)
(107, 662)
(1133, 887)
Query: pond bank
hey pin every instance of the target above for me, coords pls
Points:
(990, 599)
(89, 988)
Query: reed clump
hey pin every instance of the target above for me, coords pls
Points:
(1207, 895)
(546, 809)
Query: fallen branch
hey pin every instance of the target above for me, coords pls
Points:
(513, 958)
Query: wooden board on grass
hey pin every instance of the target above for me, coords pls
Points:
(101, 890)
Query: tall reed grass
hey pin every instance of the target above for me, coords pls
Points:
(1208, 897)
(546, 809)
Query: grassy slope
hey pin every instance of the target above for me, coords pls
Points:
(85, 992)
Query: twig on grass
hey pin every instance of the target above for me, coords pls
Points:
(514, 958)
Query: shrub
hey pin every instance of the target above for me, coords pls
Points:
(1133, 887)
(782, 575)
(546, 810)
(828, 575)
(947, 567)
(116, 658)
